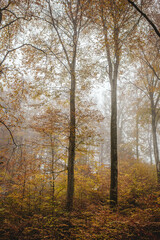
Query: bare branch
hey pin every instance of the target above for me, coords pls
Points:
(55, 55)
(9, 132)
(146, 17)
(9, 2)
(58, 34)
(19, 47)
(8, 24)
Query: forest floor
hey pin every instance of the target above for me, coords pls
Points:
(136, 219)
(37, 217)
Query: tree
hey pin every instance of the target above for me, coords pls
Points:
(150, 76)
(66, 26)
(52, 127)
(115, 18)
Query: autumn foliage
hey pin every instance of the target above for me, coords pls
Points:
(79, 120)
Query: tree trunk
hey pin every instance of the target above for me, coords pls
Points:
(24, 184)
(72, 137)
(155, 144)
(150, 151)
(137, 137)
(114, 149)
(71, 153)
(114, 155)
(53, 175)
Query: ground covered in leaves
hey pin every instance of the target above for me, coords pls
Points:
(96, 221)
(137, 215)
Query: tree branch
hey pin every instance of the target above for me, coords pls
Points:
(6, 6)
(146, 17)
(19, 47)
(8, 24)
(9, 132)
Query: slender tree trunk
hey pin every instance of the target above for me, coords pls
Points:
(114, 148)
(72, 137)
(53, 176)
(114, 152)
(113, 75)
(24, 185)
(150, 148)
(71, 153)
(101, 154)
(155, 144)
(29, 199)
(137, 138)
